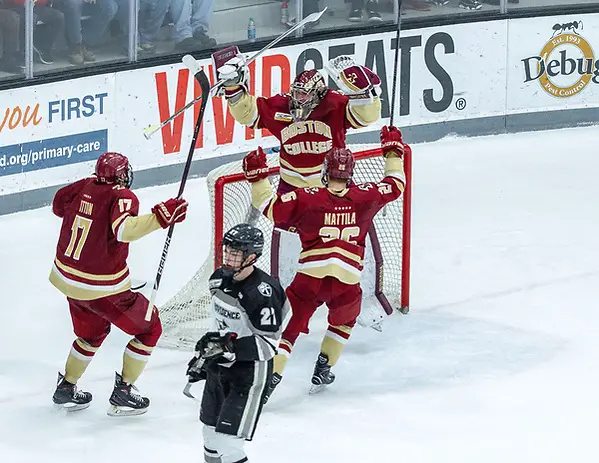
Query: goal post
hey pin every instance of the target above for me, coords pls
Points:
(385, 278)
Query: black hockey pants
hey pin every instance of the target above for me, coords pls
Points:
(232, 400)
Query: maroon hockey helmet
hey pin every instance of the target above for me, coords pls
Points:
(307, 90)
(339, 164)
(114, 168)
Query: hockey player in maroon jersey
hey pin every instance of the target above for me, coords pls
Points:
(308, 121)
(99, 219)
(332, 223)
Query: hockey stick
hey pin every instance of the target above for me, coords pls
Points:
(152, 129)
(395, 66)
(187, 389)
(395, 62)
(403, 310)
(202, 79)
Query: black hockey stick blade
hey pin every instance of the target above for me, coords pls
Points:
(202, 79)
(187, 391)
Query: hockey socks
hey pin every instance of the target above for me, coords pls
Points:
(135, 358)
(334, 341)
(79, 357)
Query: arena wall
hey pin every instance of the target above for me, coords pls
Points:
(477, 78)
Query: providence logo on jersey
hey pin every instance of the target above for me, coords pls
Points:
(566, 63)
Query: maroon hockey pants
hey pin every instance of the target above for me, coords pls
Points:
(307, 293)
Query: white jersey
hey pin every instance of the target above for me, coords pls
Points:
(253, 308)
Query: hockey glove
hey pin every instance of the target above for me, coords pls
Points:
(170, 212)
(195, 370)
(356, 82)
(232, 70)
(254, 165)
(391, 141)
(214, 347)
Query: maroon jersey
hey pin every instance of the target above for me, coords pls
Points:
(332, 226)
(91, 259)
(305, 143)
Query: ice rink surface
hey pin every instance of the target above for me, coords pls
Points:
(498, 360)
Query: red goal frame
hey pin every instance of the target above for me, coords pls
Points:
(219, 188)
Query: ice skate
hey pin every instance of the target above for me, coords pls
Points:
(322, 376)
(124, 400)
(68, 397)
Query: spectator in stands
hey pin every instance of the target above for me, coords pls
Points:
(374, 8)
(9, 31)
(152, 15)
(49, 24)
(200, 22)
(78, 34)
(107, 19)
(371, 8)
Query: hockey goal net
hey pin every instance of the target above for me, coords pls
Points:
(385, 279)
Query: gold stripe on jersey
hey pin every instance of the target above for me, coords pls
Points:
(398, 183)
(352, 120)
(299, 181)
(256, 123)
(270, 215)
(301, 170)
(244, 109)
(324, 251)
(300, 177)
(118, 221)
(335, 268)
(83, 292)
(363, 114)
(135, 228)
(89, 276)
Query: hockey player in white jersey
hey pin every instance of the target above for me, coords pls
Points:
(236, 359)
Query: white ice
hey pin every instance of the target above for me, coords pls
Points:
(498, 360)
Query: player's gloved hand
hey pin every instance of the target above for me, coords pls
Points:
(170, 212)
(254, 165)
(391, 141)
(195, 370)
(355, 81)
(233, 72)
(235, 75)
(217, 347)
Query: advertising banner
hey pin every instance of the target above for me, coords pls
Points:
(53, 133)
(435, 84)
(553, 63)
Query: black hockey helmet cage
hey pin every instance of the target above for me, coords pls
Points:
(246, 238)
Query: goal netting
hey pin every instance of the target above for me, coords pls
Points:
(385, 279)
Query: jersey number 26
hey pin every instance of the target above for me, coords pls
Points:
(336, 233)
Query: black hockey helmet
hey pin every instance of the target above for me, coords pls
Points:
(244, 237)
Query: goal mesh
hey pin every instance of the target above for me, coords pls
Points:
(385, 279)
